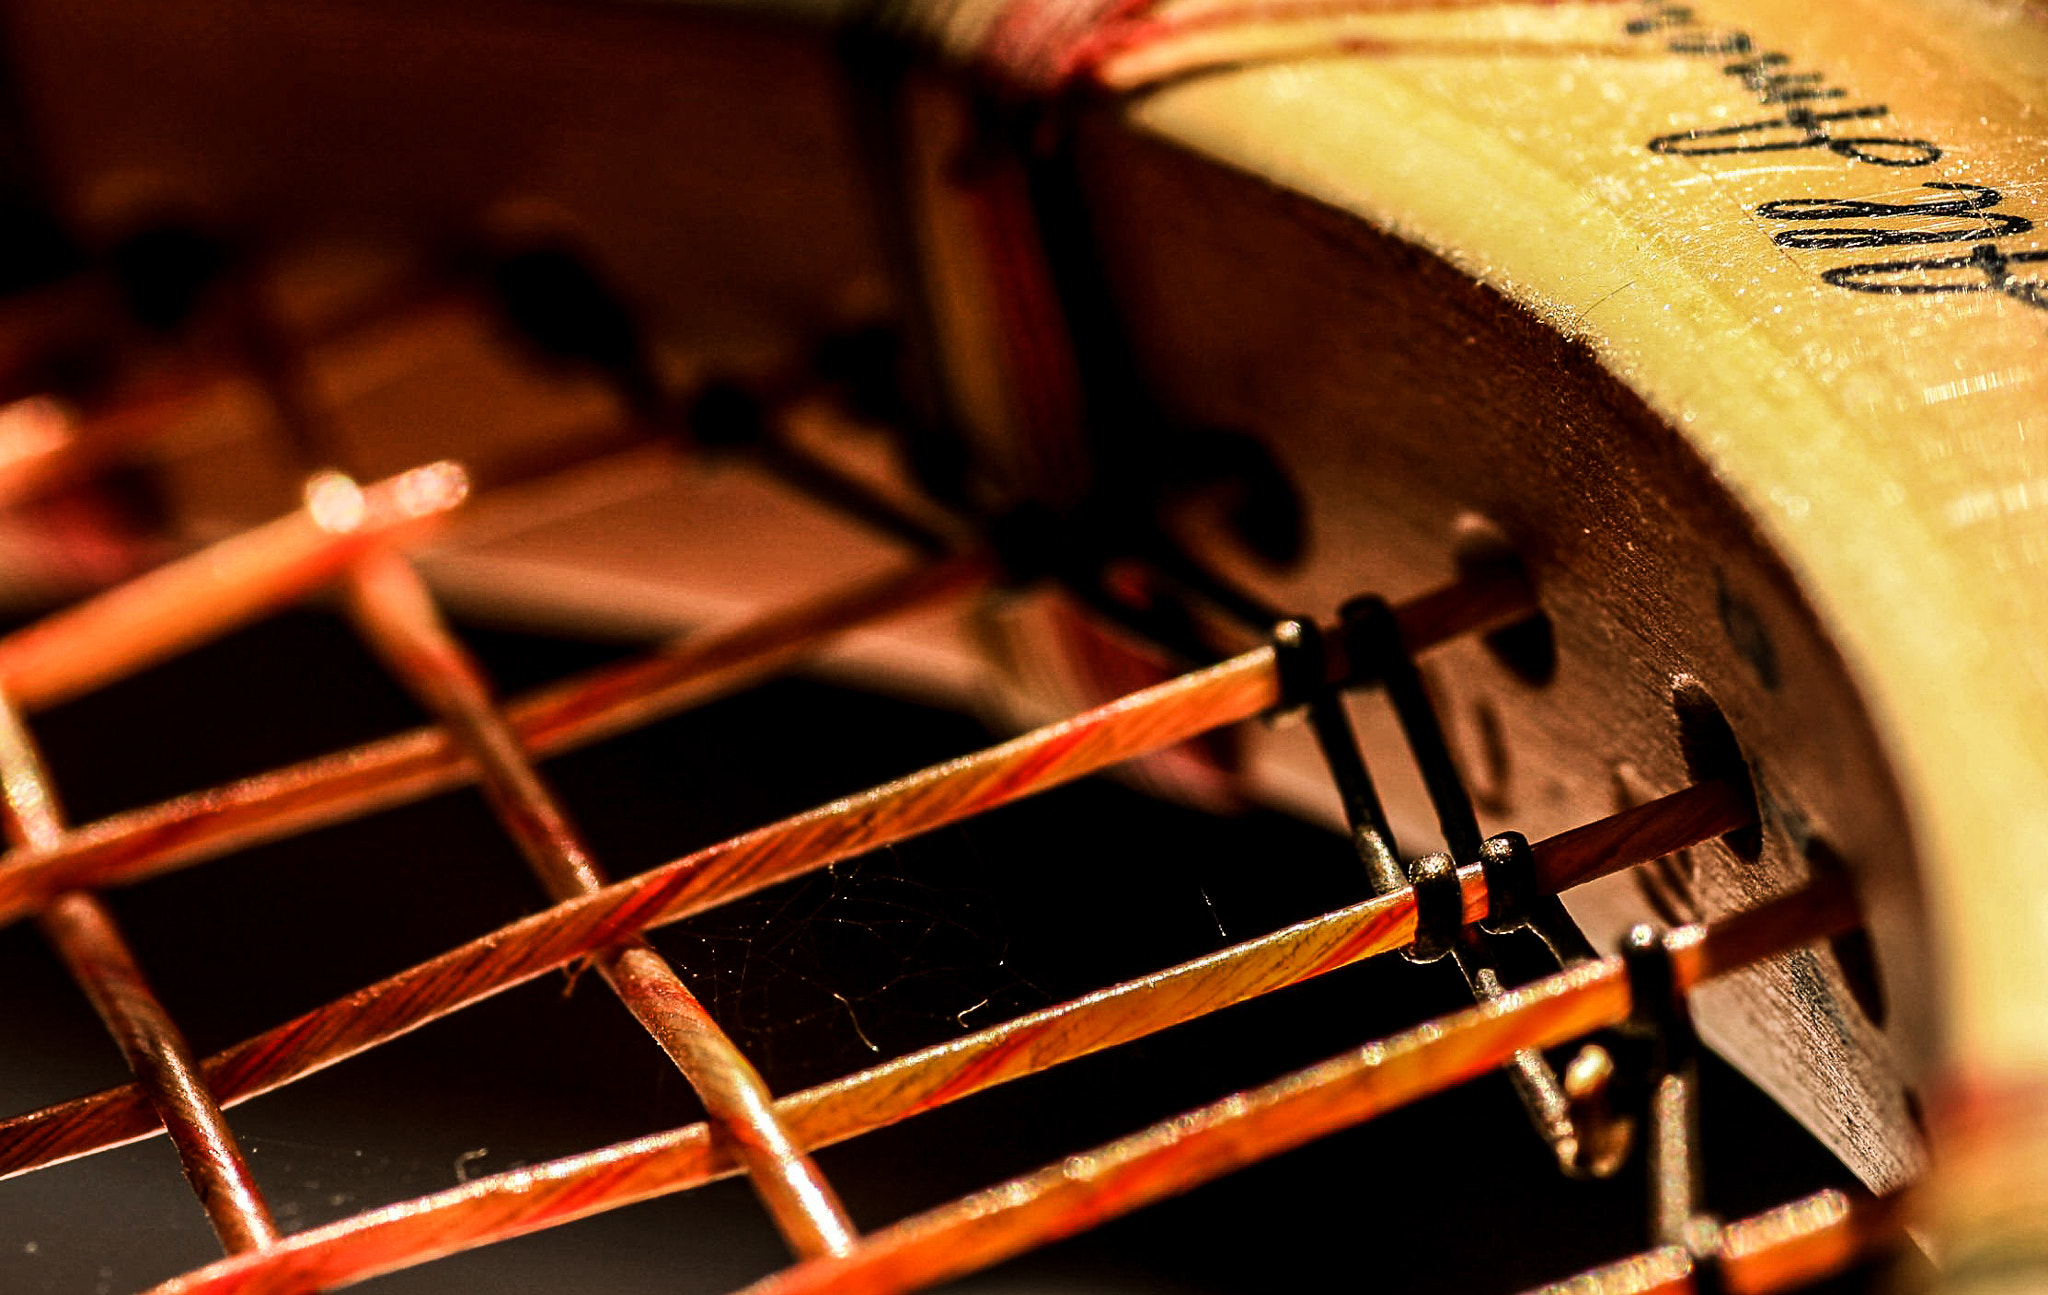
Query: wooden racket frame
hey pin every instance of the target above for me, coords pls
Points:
(763, 1137)
(54, 866)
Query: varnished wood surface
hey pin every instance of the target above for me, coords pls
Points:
(1842, 421)
(1449, 298)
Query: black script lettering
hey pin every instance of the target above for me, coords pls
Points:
(1664, 18)
(1994, 224)
(1705, 44)
(1804, 128)
(1794, 87)
(1844, 237)
(1985, 269)
(1781, 87)
(1750, 69)
(1981, 196)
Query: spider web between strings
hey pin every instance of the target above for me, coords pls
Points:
(815, 978)
(905, 947)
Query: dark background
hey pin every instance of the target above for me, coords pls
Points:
(1020, 908)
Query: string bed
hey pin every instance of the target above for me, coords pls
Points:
(347, 535)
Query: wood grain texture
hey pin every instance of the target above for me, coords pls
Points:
(1648, 408)
(1693, 291)
(1557, 271)
(1839, 421)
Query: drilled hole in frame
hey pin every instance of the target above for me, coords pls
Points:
(1526, 649)
(1712, 754)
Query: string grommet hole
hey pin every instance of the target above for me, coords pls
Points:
(1526, 649)
(1712, 754)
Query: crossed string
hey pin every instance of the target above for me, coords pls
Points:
(607, 917)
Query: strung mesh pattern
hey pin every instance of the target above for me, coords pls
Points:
(55, 868)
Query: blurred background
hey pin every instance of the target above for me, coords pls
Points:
(241, 240)
(912, 946)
